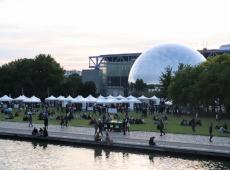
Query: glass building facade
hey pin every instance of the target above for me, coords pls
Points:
(115, 70)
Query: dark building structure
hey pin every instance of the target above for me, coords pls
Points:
(115, 71)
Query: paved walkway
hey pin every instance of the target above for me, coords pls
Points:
(193, 142)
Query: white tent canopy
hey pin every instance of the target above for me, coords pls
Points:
(131, 97)
(5, 98)
(61, 98)
(21, 98)
(110, 97)
(79, 99)
(108, 101)
(113, 101)
(119, 97)
(143, 98)
(90, 99)
(100, 97)
(134, 101)
(124, 100)
(51, 98)
(101, 101)
(32, 99)
(169, 103)
(154, 98)
(69, 98)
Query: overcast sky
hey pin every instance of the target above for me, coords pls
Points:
(73, 30)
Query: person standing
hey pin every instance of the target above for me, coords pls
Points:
(217, 117)
(196, 115)
(210, 132)
(100, 127)
(95, 126)
(193, 124)
(46, 120)
(162, 127)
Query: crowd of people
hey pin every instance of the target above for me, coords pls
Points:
(159, 113)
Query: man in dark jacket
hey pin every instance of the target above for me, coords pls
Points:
(210, 132)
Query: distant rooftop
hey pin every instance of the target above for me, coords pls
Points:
(225, 47)
(70, 72)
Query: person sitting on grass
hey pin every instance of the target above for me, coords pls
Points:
(225, 126)
(184, 123)
(155, 118)
(223, 130)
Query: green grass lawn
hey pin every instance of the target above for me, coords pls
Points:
(172, 125)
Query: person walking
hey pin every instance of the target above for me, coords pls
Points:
(124, 127)
(30, 118)
(196, 115)
(210, 132)
(128, 125)
(62, 121)
(162, 127)
(100, 127)
(66, 120)
(95, 126)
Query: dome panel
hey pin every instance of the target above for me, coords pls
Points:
(150, 64)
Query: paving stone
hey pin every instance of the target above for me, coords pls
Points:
(193, 142)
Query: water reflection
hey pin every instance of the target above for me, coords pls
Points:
(125, 154)
(214, 164)
(40, 144)
(20, 155)
(151, 157)
(97, 153)
(107, 153)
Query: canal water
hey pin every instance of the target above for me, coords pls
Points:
(23, 155)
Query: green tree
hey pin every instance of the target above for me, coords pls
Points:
(88, 88)
(215, 81)
(165, 80)
(204, 85)
(140, 85)
(47, 75)
(31, 76)
(71, 85)
(184, 88)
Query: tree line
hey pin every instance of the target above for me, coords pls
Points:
(201, 87)
(41, 76)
